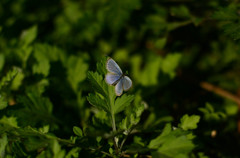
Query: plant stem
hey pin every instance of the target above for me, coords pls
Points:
(113, 125)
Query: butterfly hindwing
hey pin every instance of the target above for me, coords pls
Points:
(119, 88)
(112, 78)
(113, 67)
(127, 83)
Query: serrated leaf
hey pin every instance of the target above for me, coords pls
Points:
(78, 131)
(189, 122)
(101, 66)
(171, 143)
(122, 102)
(173, 147)
(155, 143)
(98, 102)
(98, 83)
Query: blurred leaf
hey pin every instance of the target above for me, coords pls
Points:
(148, 76)
(180, 11)
(230, 19)
(160, 43)
(42, 66)
(77, 131)
(28, 35)
(231, 109)
(73, 153)
(8, 77)
(170, 63)
(189, 122)
(170, 144)
(228, 13)
(3, 144)
(211, 114)
(77, 71)
(33, 107)
(2, 61)
(57, 151)
(10, 121)
(3, 102)
(17, 81)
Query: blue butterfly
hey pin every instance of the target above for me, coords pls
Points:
(116, 78)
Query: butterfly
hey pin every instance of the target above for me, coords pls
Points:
(116, 78)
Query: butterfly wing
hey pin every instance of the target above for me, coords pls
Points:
(119, 88)
(112, 78)
(113, 67)
(127, 83)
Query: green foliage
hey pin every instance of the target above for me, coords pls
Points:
(230, 17)
(211, 114)
(55, 102)
(171, 143)
(189, 122)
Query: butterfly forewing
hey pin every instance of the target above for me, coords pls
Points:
(113, 67)
(119, 88)
(127, 83)
(112, 79)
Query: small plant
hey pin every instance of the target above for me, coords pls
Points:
(128, 109)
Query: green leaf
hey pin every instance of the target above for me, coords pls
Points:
(10, 121)
(3, 144)
(42, 66)
(101, 66)
(78, 131)
(2, 61)
(98, 102)
(122, 102)
(148, 76)
(155, 143)
(170, 63)
(132, 119)
(57, 152)
(98, 83)
(3, 102)
(8, 78)
(171, 143)
(17, 81)
(28, 35)
(160, 43)
(174, 147)
(189, 122)
(73, 153)
(180, 11)
(211, 114)
(76, 70)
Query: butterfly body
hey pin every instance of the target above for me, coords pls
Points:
(116, 78)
